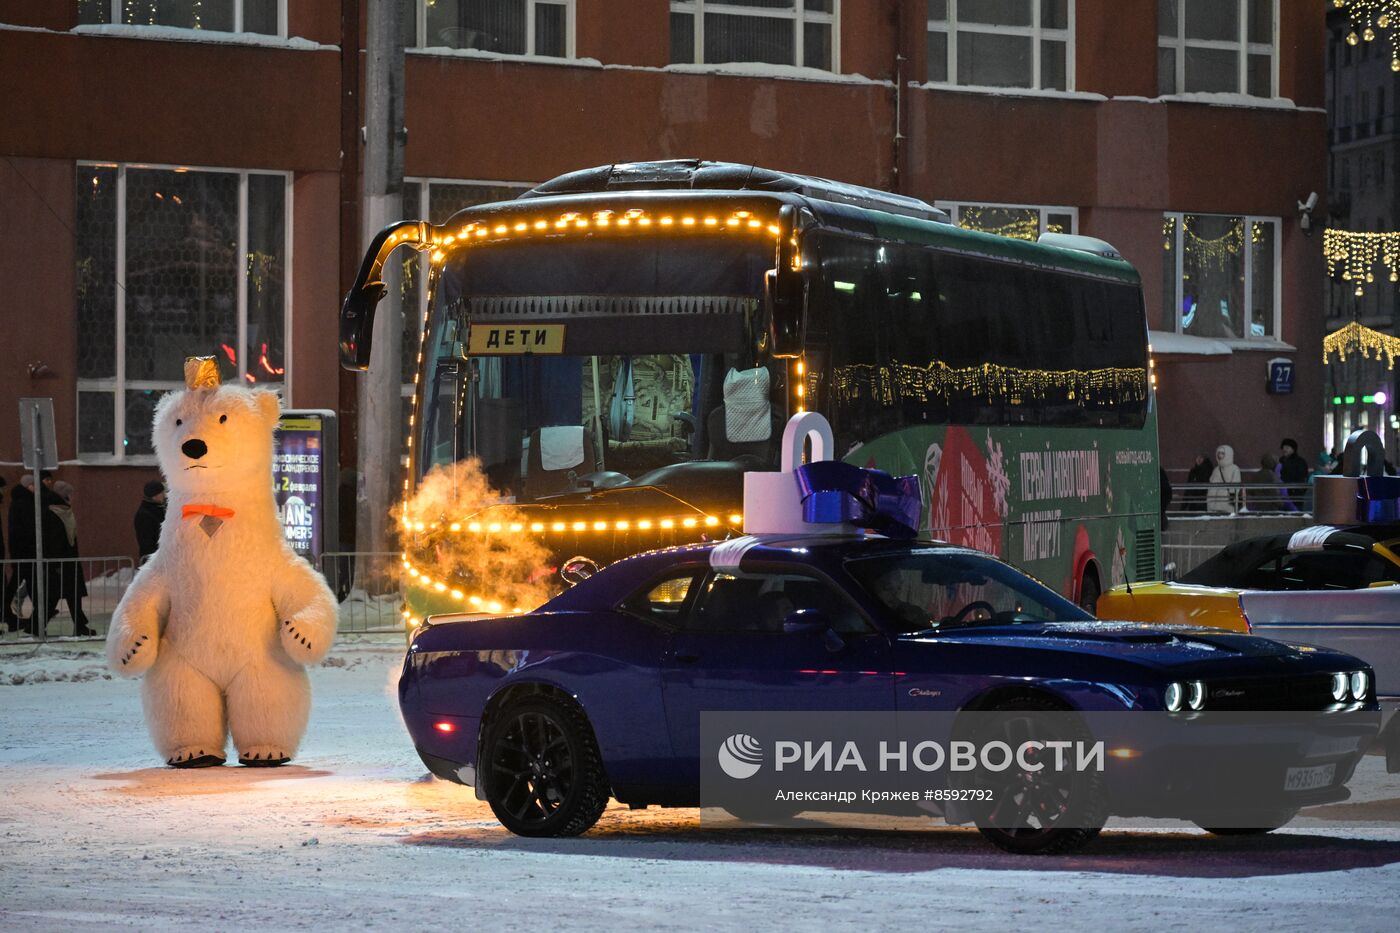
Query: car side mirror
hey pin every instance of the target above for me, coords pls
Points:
(804, 622)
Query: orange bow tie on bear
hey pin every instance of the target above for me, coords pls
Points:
(217, 511)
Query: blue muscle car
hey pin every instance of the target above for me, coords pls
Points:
(598, 694)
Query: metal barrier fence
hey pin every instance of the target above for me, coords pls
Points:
(81, 592)
(1179, 559)
(1239, 498)
(366, 585)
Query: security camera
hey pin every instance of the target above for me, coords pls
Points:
(1306, 207)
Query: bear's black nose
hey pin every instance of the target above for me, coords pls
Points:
(194, 448)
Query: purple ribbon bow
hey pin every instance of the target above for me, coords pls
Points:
(835, 492)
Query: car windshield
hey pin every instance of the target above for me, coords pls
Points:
(940, 589)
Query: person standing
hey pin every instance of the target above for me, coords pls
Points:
(20, 525)
(1263, 500)
(9, 580)
(149, 516)
(1165, 495)
(1225, 495)
(72, 582)
(1199, 474)
(1293, 473)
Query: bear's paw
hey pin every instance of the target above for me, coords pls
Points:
(133, 649)
(263, 756)
(299, 644)
(194, 756)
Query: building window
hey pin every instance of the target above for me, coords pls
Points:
(267, 17)
(1020, 222)
(507, 27)
(1217, 47)
(1221, 275)
(1001, 43)
(173, 262)
(778, 32)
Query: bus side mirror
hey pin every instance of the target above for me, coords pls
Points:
(357, 311)
(785, 291)
(357, 324)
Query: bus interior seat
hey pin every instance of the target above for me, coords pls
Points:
(722, 448)
(500, 423)
(745, 425)
(563, 450)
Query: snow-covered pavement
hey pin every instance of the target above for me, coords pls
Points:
(355, 834)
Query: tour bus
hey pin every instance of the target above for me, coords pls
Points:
(615, 348)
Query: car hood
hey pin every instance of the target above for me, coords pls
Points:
(1158, 645)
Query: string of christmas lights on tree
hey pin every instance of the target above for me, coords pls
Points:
(1367, 16)
(1354, 255)
(1355, 338)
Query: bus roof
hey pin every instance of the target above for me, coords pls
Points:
(835, 205)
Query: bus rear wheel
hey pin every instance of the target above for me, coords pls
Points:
(1089, 591)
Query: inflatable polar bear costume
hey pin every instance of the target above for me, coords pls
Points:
(223, 618)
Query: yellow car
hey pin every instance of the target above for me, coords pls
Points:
(1319, 558)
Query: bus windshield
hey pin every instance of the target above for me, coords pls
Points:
(581, 365)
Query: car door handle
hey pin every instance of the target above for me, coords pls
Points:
(687, 657)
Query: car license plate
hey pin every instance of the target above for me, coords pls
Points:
(1309, 778)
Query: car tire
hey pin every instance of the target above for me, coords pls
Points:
(544, 773)
(1255, 824)
(1084, 799)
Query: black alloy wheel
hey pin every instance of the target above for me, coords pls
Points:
(1044, 812)
(544, 775)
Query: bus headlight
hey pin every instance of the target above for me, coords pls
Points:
(1174, 696)
(1340, 682)
(1360, 685)
(1196, 695)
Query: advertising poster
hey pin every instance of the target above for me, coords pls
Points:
(303, 475)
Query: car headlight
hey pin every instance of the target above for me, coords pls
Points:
(1174, 696)
(1196, 694)
(1340, 683)
(1360, 685)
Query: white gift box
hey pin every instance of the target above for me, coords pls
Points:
(773, 501)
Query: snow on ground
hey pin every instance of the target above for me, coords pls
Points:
(355, 834)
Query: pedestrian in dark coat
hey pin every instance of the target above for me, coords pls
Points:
(20, 525)
(56, 547)
(1195, 500)
(1166, 495)
(72, 581)
(1293, 472)
(149, 516)
(9, 580)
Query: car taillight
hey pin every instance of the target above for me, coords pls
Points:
(445, 726)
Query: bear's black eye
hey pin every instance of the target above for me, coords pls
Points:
(223, 418)
(178, 422)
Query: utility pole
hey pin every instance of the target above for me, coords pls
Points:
(380, 428)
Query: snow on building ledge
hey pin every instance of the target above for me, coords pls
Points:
(1166, 343)
(208, 36)
(735, 69)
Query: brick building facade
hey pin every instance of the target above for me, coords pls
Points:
(167, 190)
